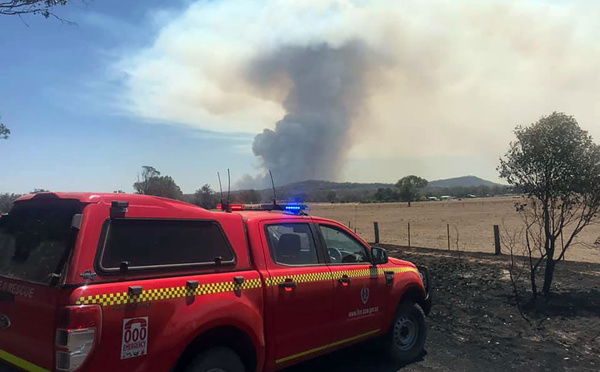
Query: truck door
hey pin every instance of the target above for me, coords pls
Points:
(299, 293)
(359, 286)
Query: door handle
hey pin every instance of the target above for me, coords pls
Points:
(345, 281)
(289, 285)
(389, 278)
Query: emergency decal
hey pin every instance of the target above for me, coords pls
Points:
(135, 337)
(364, 295)
(123, 298)
(17, 289)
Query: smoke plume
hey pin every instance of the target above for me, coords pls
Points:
(326, 90)
(367, 90)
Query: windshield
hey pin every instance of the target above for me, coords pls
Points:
(34, 239)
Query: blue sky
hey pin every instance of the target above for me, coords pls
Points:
(56, 97)
(157, 83)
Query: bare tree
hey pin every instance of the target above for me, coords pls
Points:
(21, 7)
(511, 241)
(557, 165)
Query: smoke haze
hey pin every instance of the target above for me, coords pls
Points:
(325, 81)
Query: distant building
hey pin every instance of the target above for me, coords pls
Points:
(432, 198)
(445, 197)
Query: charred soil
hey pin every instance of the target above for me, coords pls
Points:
(474, 324)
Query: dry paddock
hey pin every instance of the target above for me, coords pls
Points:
(470, 222)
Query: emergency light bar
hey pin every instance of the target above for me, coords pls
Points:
(294, 208)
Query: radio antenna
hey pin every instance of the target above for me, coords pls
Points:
(274, 194)
(220, 188)
(228, 189)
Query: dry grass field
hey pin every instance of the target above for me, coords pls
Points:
(471, 224)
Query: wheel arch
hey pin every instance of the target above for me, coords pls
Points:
(229, 336)
(412, 292)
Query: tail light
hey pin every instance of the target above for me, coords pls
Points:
(77, 333)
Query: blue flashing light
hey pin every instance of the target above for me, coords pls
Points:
(295, 207)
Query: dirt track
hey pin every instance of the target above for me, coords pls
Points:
(474, 325)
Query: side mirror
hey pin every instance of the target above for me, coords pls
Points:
(380, 256)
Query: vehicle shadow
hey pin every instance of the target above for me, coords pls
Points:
(367, 357)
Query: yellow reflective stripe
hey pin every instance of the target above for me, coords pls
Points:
(320, 348)
(21, 363)
(322, 276)
(167, 293)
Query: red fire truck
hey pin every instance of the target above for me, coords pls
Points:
(97, 282)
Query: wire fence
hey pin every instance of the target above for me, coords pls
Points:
(466, 225)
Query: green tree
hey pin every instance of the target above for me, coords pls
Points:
(6, 201)
(409, 186)
(249, 196)
(21, 7)
(150, 182)
(205, 197)
(4, 131)
(37, 191)
(557, 165)
(142, 186)
(386, 195)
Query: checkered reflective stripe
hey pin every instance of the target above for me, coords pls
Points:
(400, 270)
(300, 278)
(361, 273)
(336, 275)
(122, 298)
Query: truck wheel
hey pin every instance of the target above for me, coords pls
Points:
(407, 336)
(218, 359)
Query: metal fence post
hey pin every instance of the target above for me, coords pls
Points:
(497, 240)
(448, 233)
(376, 230)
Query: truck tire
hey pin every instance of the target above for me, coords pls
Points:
(218, 359)
(406, 339)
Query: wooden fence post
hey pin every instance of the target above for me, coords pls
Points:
(448, 233)
(376, 230)
(409, 235)
(497, 240)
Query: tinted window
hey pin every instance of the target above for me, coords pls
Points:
(35, 237)
(292, 244)
(145, 243)
(342, 247)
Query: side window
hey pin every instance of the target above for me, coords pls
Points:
(343, 248)
(292, 244)
(148, 243)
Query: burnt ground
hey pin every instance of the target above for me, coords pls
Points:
(474, 324)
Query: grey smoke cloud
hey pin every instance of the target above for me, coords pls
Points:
(326, 89)
(359, 87)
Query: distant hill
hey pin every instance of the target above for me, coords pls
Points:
(465, 181)
(328, 191)
(314, 190)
